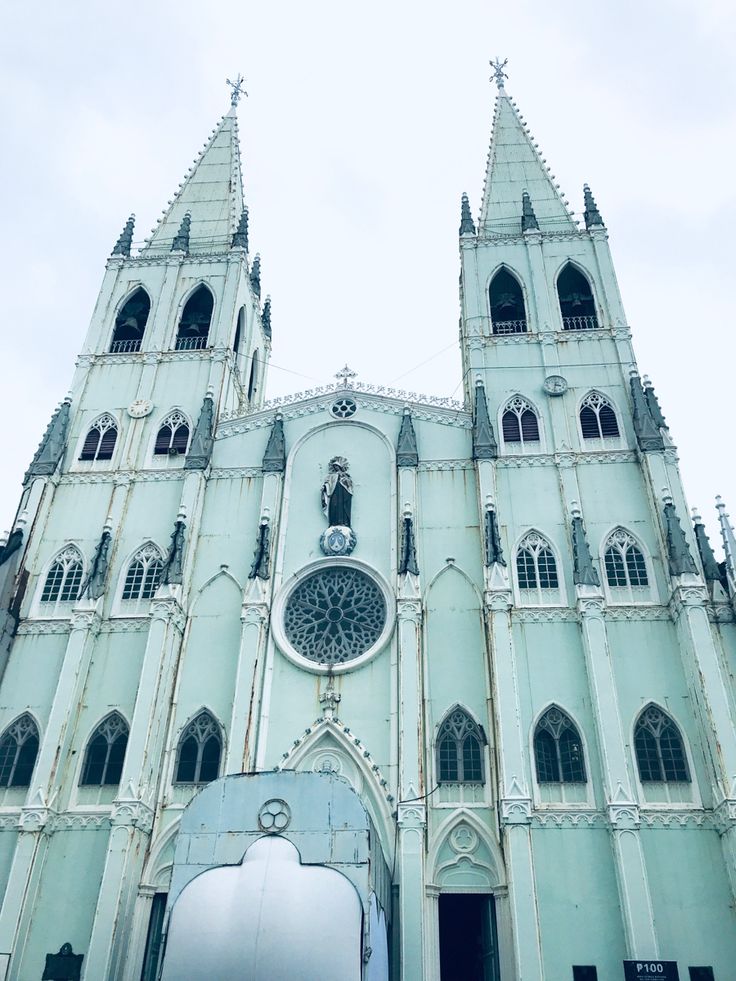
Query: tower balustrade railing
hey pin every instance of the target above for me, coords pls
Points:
(191, 343)
(510, 327)
(580, 323)
(126, 347)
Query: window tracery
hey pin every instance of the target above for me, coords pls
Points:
(99, 444)
(536, 571)
(144, 572)
(64, 578)
(660, 751)
(105, 754)
(172, 437)
(558, 749)
(626, 568)
(598, 418)
(18, 752)
(459, 749)
(200, 747)
(519, 423)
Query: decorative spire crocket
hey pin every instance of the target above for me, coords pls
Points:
(493, 549)
(181, 239)
(408, 557)
(51, 449)
(407, 454)
(647, 431)
(653, 403)
(240, 236)
(711, 569)
(528, 218)
(484, 442)
(255, 275)
(680, 557)
(274, 459)
(266, 317)
(200, 448)
(584, 572)
(467, 225)
(591, 214)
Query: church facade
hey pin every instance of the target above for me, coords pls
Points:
(361, 684)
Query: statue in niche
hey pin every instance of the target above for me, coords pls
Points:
(337, 504)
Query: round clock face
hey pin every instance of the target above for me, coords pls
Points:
(555, 385)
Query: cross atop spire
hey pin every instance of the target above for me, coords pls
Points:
(498, 71)
(345, 374)
(237, 89)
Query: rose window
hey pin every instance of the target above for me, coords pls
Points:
(343, 408)
(335, 615)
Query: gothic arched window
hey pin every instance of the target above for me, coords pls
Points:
(103, 759)
(130, 323)
(200, 747)
(536, 571)
(64, 578)
(508, 314)
(239, 329)
(143, 573)
(626, 568)
(558, 749)
(172, 437)
(18, 751)
(519, 423)
(253, 379)
(194, 325)
(99, 443)
(598, 418)
(577, 305)
(459, 749)
(660, 751)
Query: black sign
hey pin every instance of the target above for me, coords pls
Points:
(64, 966)
(649, 970)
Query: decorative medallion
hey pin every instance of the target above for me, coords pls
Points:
(343, 408)
(463, 839)
(274, 816)
(555, 385)
(335, 615)
(338, 540)
(140, 408)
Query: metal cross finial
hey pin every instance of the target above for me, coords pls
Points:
(498, 71)
(345, 374)
(237, 89)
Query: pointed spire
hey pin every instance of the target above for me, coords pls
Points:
(591, 214)
(53, 444)
(255, 275)
(493, 550)
(181, 239)
(707, 557)
(729, 545)
(528, 218)
(125, 239)
(408, 557)
(260, 566)
(484, 442)
(212, 191)
(514, 166)
(274, 459)
(200, 448)
(681, 560)
(94, 586)
(584, 572)
(407, 454)
(467, 225)
(240, 237)
(172, 573)
(266, 317)
(647, 431)
(653, 403)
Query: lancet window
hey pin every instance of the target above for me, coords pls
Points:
(64, 578)
(99, 444)
(536, 571)
(239, 329)
(558, 749)
(200, 747)
(660, 751)
(519, 424)
(598, 418)
(173, 435)
(143, 573)
(130, 323)
(577, 305)
(103, 760)
(626, 568)
(459, 749)
(508, 313)
(18, 752)
(196, 317)
(253, 378)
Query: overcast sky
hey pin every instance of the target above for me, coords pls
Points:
(364, 124)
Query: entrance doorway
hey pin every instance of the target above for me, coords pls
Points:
(468, 938)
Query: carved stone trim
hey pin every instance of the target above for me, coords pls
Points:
(85, 620)
(515, 810)
(130, 812)
(569, 819)
(412, 814)
(43, 627)
(553, 614)
(125, 625)
(168, 609)
(255, 614)
(499, 600)
(409, 611)
(433, 465)
(635, 612)
(623, 814)
(234, 473)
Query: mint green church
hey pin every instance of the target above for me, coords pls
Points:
(359, 684)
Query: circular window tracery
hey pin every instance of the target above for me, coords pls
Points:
(335, 615)
(343, 408)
